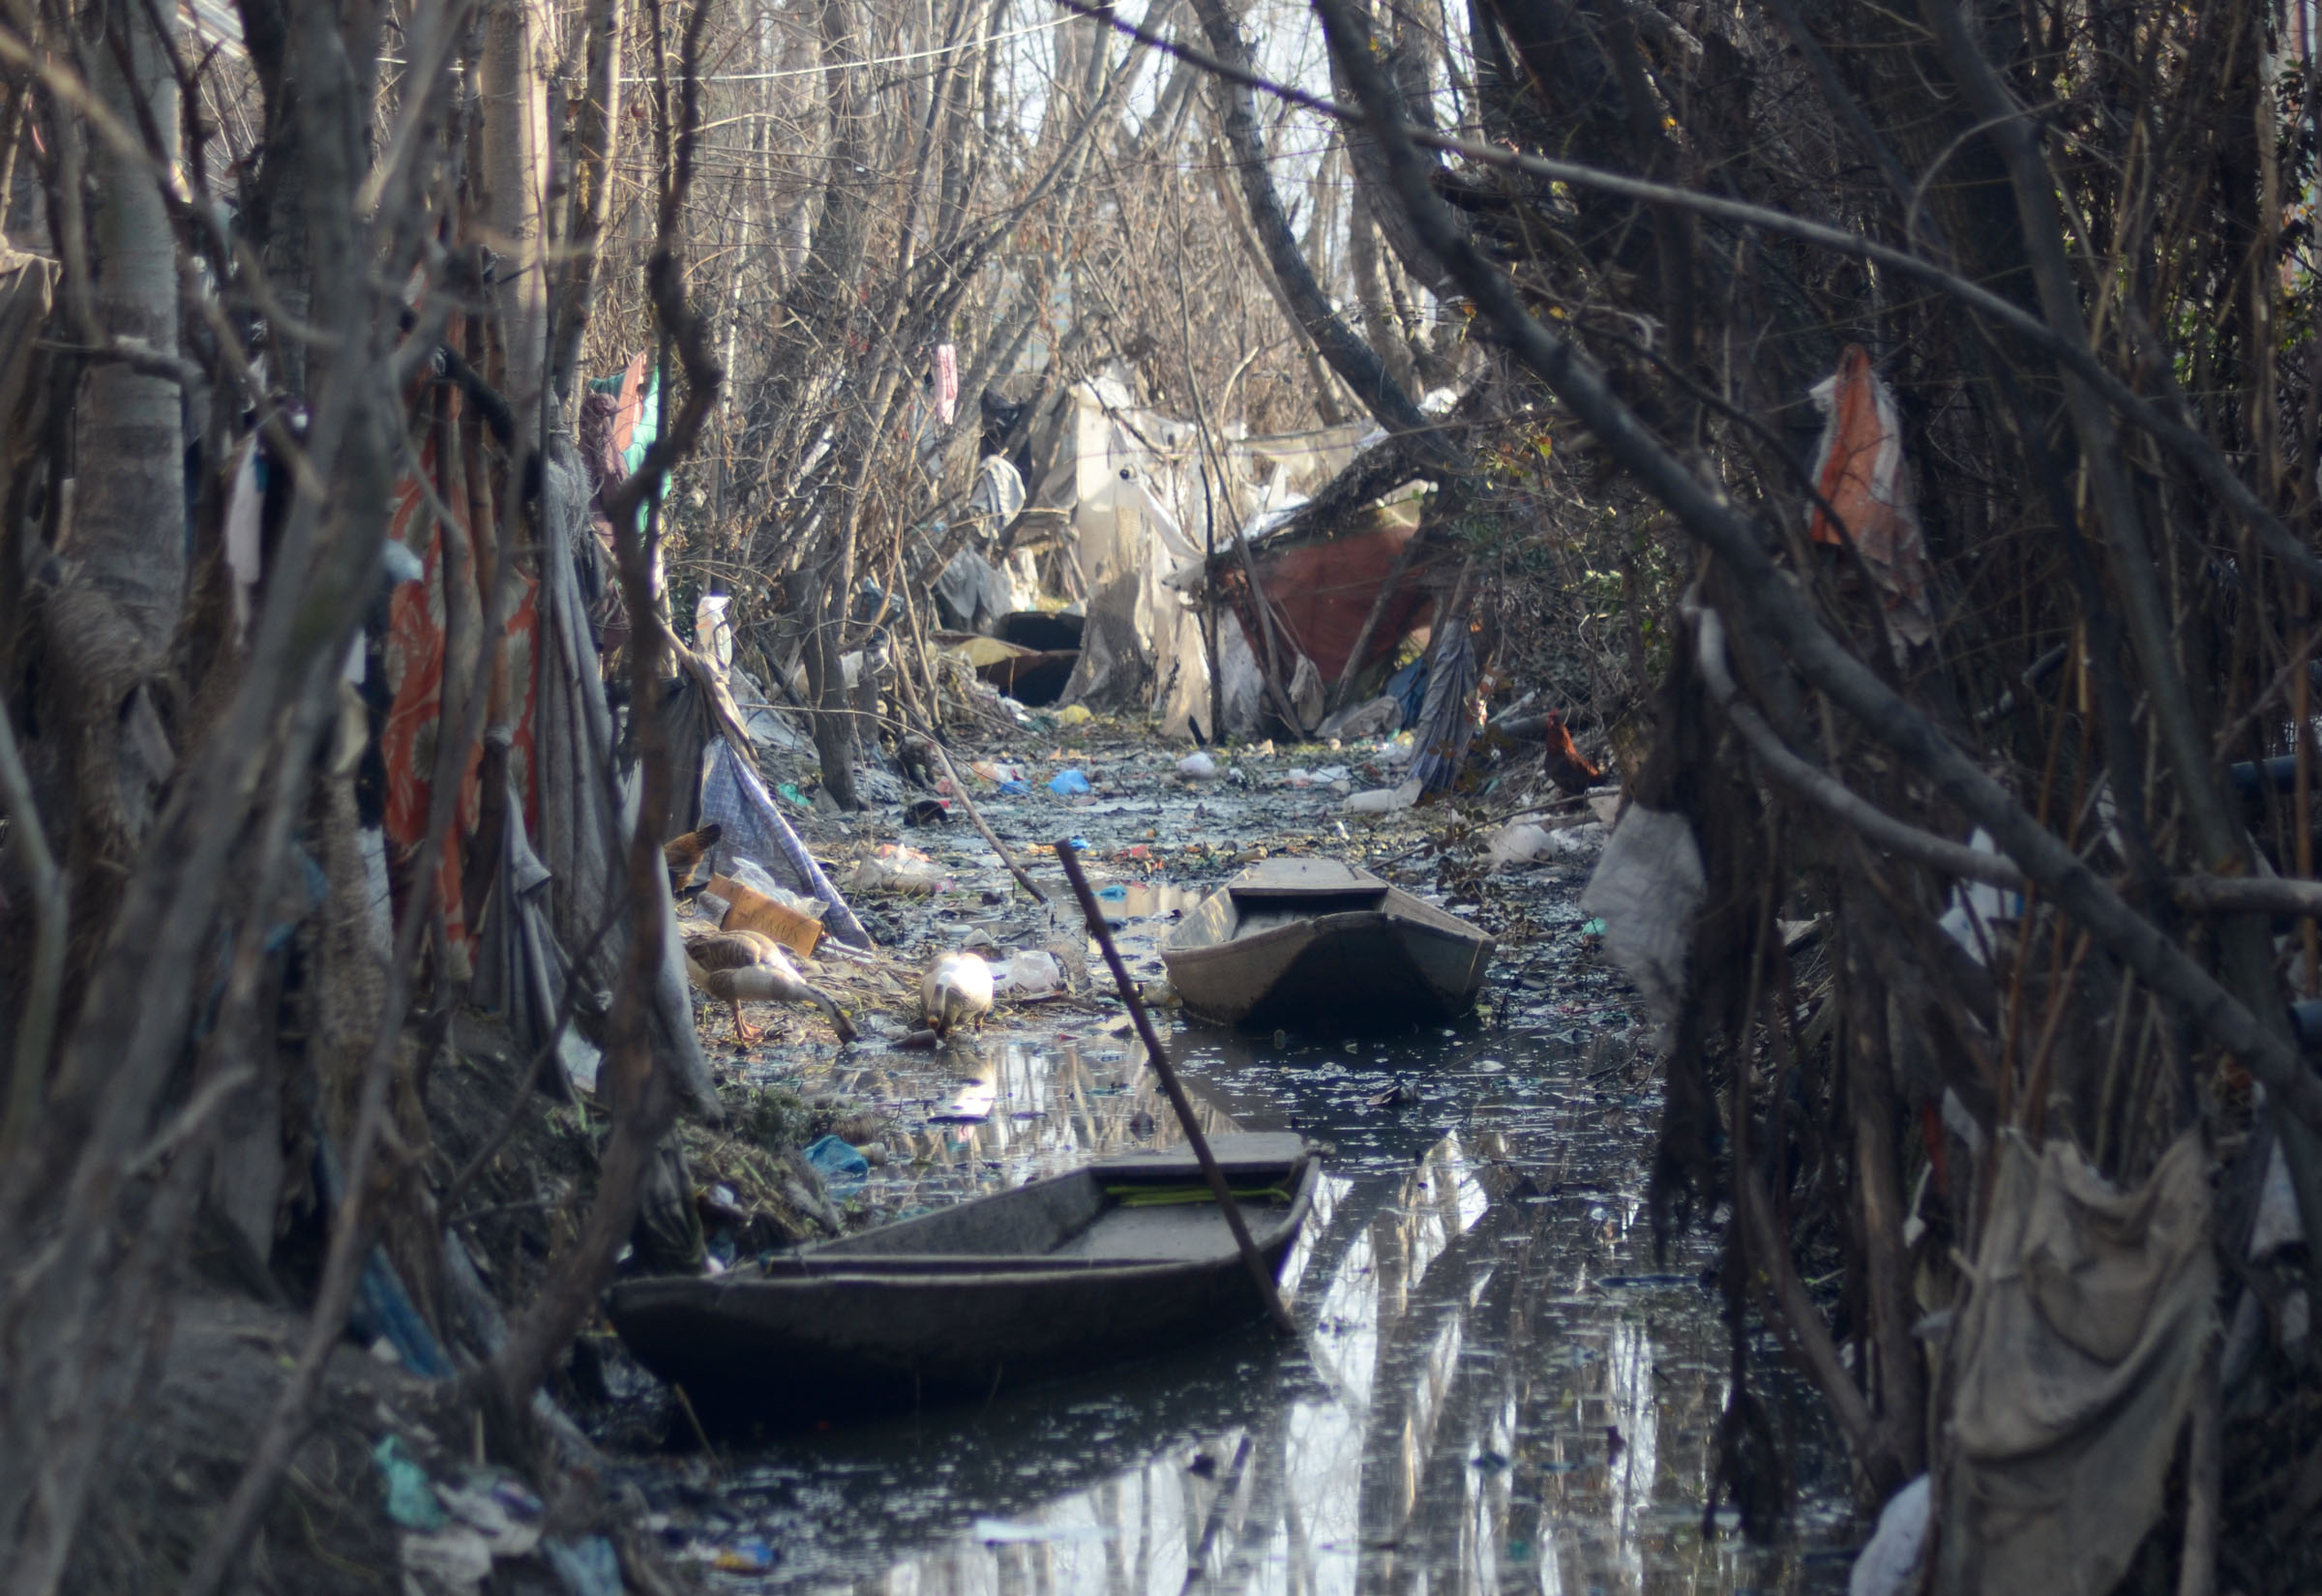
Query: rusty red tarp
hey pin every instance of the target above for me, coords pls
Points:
(414, 655)
(1322, 593)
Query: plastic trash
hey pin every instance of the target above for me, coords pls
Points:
(1198, 767)
(1112, 889)
(892, 866)
(1383, 800)
(836, 1160)
(1519, 842)
(1080, 844)
(789, 790)
(1073, 715)
(410, 1499)
(1889, 1566)
(1016, 789)
(1976, 904)
(1647, 889)
(759, 879)
(744, 1557)
(455, 1559)
(496, 1507)
(1328, 774)
(1031, 974)
(1070, 783)
(588, 1568)
(1001, 1532)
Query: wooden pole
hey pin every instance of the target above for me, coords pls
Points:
(1268, 1292)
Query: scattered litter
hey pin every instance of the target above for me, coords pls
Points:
(1198, 767)
(1069, 784)
(789, 790)
(497, 1508)
(1371, 719)
(410, 1499)
(1001, 1532)
(744, 1557)
(1521, 841)
(1032, 974)
(1073, 715)
(1976, 904)
(836, 1160)
(1112, 889)
(892, 866)
(1383, 800)
(456, 1560)
(587, 1568)
(1889, 1566)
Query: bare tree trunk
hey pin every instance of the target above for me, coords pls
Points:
(110, 626)
(514, 146)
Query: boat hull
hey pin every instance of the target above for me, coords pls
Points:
(836, 1336)
(1363, 970)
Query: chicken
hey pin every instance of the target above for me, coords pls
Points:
(957, 987)
(686, 856)
(1565, 767)
(747, 966)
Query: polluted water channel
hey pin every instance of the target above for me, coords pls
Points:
(1497, 1386)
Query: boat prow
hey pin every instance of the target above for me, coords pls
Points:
(1307, 944)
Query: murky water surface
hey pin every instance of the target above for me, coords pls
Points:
(1499, 1386)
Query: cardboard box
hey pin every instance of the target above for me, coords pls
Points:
(754, 910)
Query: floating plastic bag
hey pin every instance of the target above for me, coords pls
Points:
(1198, 767)
(1070, 783)
(1031, 974)
(837, 1161)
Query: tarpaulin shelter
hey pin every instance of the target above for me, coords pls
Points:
(1145, 495)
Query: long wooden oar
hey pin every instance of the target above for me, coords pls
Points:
(1267, 1293)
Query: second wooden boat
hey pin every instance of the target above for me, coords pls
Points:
(1317, 944)
(1123, 1259)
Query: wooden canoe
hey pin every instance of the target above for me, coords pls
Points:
(1126, 1258)
(1316, 944)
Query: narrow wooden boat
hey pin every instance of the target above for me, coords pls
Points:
(1316, 944)
(1124, 1258)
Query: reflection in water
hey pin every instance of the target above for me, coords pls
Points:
(1498, 1387)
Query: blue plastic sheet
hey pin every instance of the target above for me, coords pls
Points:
(410, 1499)
(1070, 783)
(836, 1160)
(734, 798)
